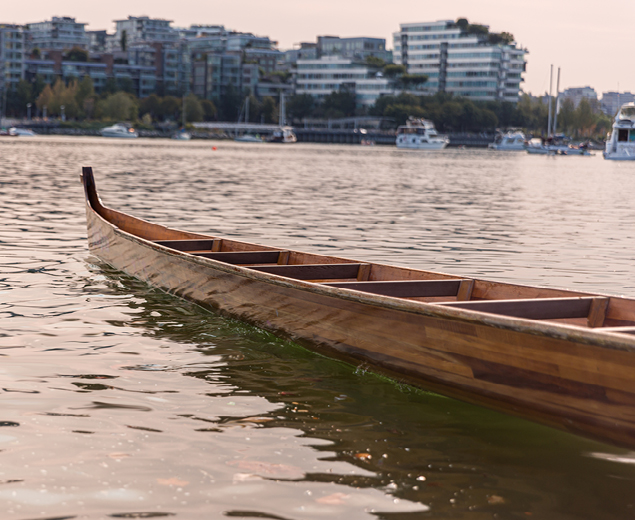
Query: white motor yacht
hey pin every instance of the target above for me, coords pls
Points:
(119, 130)
(21, 132)
(620, 143)
(420, 134)
(512, 140)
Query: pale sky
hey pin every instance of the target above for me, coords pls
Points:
(592, 41)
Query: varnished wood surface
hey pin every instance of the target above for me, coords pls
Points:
(573, 377)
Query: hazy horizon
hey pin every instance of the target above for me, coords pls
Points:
(586, 43)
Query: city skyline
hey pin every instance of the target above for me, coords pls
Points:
(568, 35)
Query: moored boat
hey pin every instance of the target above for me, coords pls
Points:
(182, 135)
(123, 130)
(511, 141)
(284, 134)
(559, 357)
(620, 144)
(420, 134)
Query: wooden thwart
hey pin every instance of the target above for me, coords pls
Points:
(247, 257)
(405, 288)
(188, 245)
(313, 271)
(592, 308)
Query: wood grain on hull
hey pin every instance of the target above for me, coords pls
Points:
(577, 379)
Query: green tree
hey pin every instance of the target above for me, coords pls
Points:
(193, 109)
(339, 104)
(269, 110)
(393, 70)
(301, 106)
(45, 98)
(209, 110)
(230, 103)
(77, 54)
(85, 90)
(375, 62)
(585, 118)
(151, 105)
(566, 116)
(170, 108)
(119, 106)
(124, 40)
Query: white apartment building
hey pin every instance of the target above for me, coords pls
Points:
(59, 33)
(137, 29)
(460, 63)
(321, 77)
(12, 49)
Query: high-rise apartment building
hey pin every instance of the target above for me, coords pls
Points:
(59, 33)
(354, 48)
(12, 49)
(321, 77)
(473, 64)
(137, 29)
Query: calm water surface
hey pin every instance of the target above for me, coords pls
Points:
(119, 401)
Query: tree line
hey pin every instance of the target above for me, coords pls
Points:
(448, 113)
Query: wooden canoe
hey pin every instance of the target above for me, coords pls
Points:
(561, 358)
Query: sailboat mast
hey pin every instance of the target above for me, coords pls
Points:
(550, 87)
(183, 111)
(555, 115)
(282, 115)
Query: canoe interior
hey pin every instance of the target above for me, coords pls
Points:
(608, 313)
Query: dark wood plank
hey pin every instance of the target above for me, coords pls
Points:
(187, 245)
(312, 271)
(404, 288)
(532, 309)
(244, 257)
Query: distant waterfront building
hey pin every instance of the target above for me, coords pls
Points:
(140, 29)
(321, 77)
(612, 101)
(59, 33)
(459, 62)
(224, 61)
(12, 49)
(353, 48)
(577, 94)
(97, 41)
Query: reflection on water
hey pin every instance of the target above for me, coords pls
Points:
(121, 401)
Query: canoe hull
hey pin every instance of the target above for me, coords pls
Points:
(574, 383)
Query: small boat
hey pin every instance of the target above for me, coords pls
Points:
(420, 134)
(513, 140)
(284, 134)
(559, 357)
(182, 135)
(620, 143)
(21, 132)
(248, 138)
(119, 130)
(555, 146)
